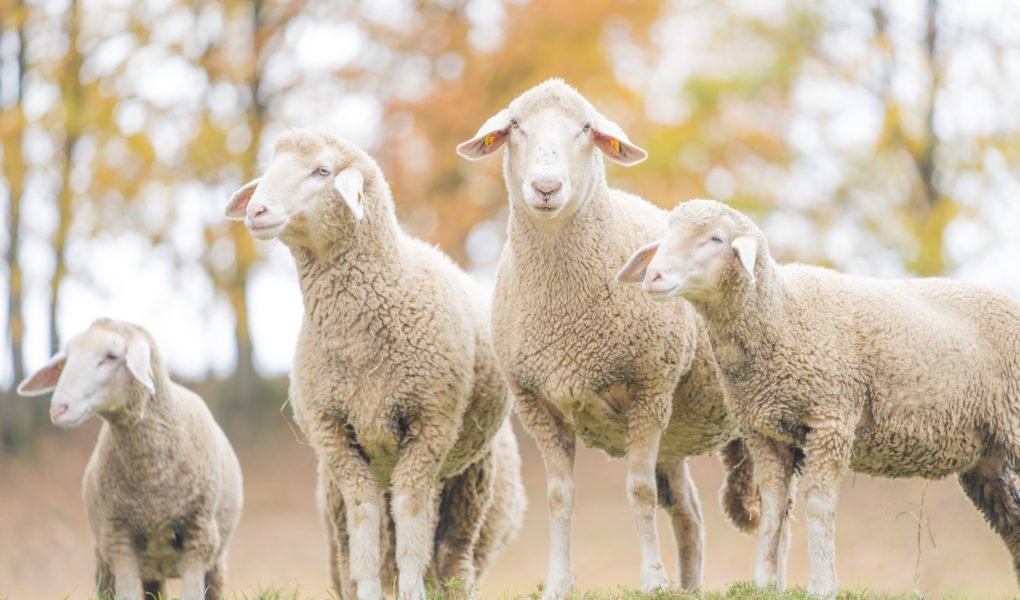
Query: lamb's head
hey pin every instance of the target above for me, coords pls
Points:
(102, 369)
(709, 250)
(551, 133)
(313, 182)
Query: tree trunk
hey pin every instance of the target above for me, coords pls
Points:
(71, 94)
(16, 418)
(245, 377)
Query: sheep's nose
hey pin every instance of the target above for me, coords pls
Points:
(257, 210)
(546, 187)
(57, 411)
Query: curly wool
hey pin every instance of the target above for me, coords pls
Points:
(395, 349)
(168, 441)
(906, 378)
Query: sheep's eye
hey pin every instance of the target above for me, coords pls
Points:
(717, 239)
(321, 172)
(587, 127)
(514, 124)
(111, 356)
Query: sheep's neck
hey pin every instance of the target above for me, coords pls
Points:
(144, 420)
(748, 318)
(368, 263)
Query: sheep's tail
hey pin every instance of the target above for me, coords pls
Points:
(739, 494)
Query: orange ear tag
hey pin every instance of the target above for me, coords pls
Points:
(489, 139)
(616, 144)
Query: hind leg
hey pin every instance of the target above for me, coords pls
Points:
(153, 590)
(466, 499)
(216, 579)
(104, 579)
(991, 487)
(679, 496)
(331, 506)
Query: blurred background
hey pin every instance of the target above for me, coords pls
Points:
(879, 137)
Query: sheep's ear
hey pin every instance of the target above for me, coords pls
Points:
(746, 249)
(45, 379)
(138, 360)
(239, 201)
(489, 138)
(351, 184)
(613, 142)
(634, 270)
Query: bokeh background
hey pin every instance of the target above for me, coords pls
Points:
(881, 137)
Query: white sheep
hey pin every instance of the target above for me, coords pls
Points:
(163, 487)
(896, 378)
(394, 380)
(578, 362)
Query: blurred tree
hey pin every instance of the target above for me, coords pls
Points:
(71, 96)
(12, 133)
(16, 416)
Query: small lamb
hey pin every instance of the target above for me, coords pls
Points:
(900, 378)
(163, 487)
(579, 361)
(394, 383)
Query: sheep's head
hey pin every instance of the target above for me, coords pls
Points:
(314, 180)
(551, 133)
(708, 248)
(97, 374)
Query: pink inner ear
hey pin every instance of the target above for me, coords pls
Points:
(239, 201)
(634, 270)
(483, 145)
(617, 149)
(44, 379)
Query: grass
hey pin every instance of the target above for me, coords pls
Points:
(737, 591)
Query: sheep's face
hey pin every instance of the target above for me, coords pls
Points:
(698, 255)
(296, 193)
(94, 376)
(551, 134)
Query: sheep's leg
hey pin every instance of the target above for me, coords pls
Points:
(415, 490)
(773, 472)
(679, 496)
(192, 580)
(361, 499)
(216, 579)
(331, 505)
(555, 439)
(153, 589)
(646, 419)
(104, 579)
(126, 580)
(364, 520)
(466, 499)
(826, 457)
(991, 486)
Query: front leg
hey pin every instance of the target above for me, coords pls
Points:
(192, 580)
(360, 497)
(646, 419)
(826, 457)
(415, 485)
(773, 473)
(127, 581)
(555, 439)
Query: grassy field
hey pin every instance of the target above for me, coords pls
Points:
(904, 538)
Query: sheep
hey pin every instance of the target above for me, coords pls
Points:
(829, 372)
(577, 364)
(163, 488)
(394, 382)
